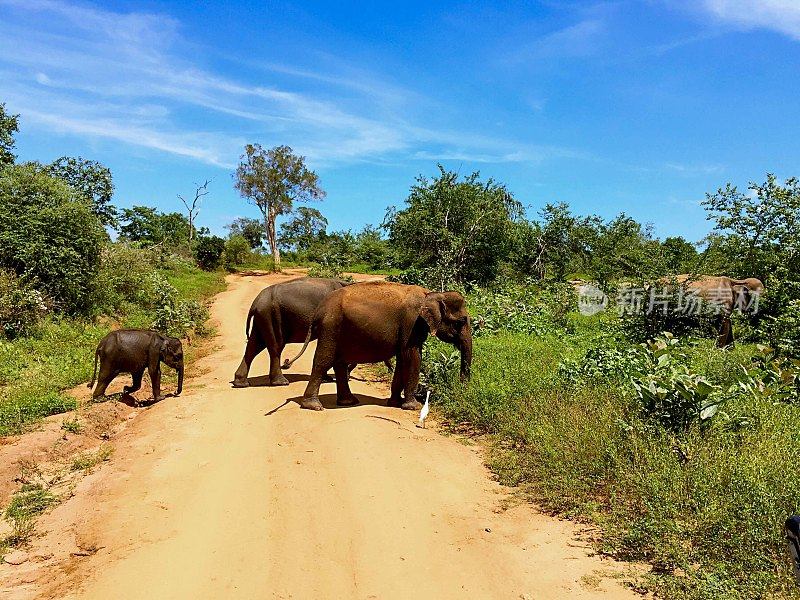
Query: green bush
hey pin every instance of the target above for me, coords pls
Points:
(124, 278)
(209, 252)
(49, 236)
(173, 316)
(21, 306)
(237, 252)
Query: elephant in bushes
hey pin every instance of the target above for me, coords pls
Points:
(281, 314)
(132, 351)
(726, 293)
(373, 321)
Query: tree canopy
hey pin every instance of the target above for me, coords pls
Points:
(274, 180)
(91, 180)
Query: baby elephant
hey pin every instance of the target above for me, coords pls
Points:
(132, 351)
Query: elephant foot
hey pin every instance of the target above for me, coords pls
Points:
(278, 380)
(394, 402)
(311, 404)
(411, 405)
(241, 383)
(350, 400)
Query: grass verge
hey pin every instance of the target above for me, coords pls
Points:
(705, 508)
(36, 370)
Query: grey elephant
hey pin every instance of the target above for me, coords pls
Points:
(373, 321)
(132, 351)
(725, 293)
(281, 314)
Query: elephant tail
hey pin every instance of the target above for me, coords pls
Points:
(94, 371)
(288, 363)
(249, 320)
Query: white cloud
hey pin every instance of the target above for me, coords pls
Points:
(92, 72)
(779, 15)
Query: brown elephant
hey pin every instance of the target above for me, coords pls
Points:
(373, 321)
(132, 351)
(281, 314)
(725, 294)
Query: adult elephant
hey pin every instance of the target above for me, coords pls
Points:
(373, 321)
(281, 314)
(725, 294)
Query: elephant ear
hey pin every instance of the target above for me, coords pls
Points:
(431, 311)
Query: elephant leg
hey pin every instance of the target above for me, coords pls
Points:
(276, 376)
(323, 360)
(725, 337)
(105, 377)
(137, 382)
(344, 397)
(155, 380)
(412, 361)
(398, 383)
(254, 345)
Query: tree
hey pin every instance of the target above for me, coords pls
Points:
(680, 256)
(148, 225)
(91, 180)
(250, 229)
(455, 230)
(763, 227)
(193, 206)
(210, 252)
(9, 125)
(274, 180)
(303, 229)
(49, 235)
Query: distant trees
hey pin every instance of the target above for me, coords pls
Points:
(250, 229)
(274, 180)
(454, 229)
(303, 229)
(9, 125)
(149, 225)
(91, 180)
(193, 205)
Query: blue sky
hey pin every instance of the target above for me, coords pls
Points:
(635, 106)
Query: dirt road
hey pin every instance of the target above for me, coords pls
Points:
(235, 493)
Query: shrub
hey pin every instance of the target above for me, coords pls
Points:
(172, 316)
(124, 277)
(237, 252)
(209, 252)
(21, 306)
(49, 235)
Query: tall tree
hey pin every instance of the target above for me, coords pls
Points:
(274, 180)
(91, 180)
(9, 125)
(193, 205)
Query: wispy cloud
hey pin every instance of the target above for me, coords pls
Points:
(88, 71)
(779, 15)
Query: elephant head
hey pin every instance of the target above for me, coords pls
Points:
(447, 318)
(172, 355)
(744, 291)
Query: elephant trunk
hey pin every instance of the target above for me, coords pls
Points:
(180, 380)
(465, 347)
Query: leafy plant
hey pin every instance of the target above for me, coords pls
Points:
(668, 392)
(21, 305)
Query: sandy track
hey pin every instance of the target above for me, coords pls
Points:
(234, 493)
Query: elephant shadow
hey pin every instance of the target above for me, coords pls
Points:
(329, 402)
(130, 400)
(263, 380)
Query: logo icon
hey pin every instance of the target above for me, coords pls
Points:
(591, 299)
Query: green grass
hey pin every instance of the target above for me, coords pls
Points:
(705, 508)
(36, 370)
